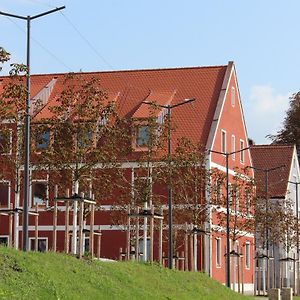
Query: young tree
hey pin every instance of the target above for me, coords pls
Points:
(12, 116)
(241, 201)
(190, 180)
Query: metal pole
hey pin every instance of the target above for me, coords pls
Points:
(267, 208)
(227, 224)
(170, 215)
(27, 145)
(170, 208)
(25, 243)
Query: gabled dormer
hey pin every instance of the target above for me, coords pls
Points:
(149, 117)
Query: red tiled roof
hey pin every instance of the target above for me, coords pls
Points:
(191, 120)
(158, 98)
(268, 157)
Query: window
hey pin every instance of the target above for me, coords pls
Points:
(86, 246)
(218, 252)
(3, 240)
(247, 255)
(43, 140)
(42, 244)
(237, 199)
(232, 96)
(142, 189)
(6, 142)
(242, 155)
(4, 194)
(142, 136)
(247, 201)
(85, 138)
(218, 193)
(230, 191)
(223, 141)
(39, 193)
(233, 146)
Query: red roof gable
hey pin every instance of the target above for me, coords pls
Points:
(268, 157)
(191, 120)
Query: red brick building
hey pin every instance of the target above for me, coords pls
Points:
(215, 119)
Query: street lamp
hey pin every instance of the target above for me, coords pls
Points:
(28, 19)
(170, 205)
(267, 171)
(227, 154)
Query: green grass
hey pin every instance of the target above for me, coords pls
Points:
(58, 276)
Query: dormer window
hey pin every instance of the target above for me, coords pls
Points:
(142, 136)
(85, 138)
(43, 140)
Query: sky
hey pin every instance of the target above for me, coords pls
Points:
(260, 36)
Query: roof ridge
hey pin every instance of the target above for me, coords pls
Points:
(272, 146)
(128, 70)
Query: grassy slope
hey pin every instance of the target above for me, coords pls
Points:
(57, 276)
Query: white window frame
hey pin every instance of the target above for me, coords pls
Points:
(39, 238)
(237, 200)
(223, 141)
(247, 255)
(232, 96)
(9, 192)
(242, 154)
(31, 190)
(233, 146)
(218, 252)
(10, 143)
(248, 202)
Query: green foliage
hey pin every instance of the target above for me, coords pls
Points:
(290, 133)
(58, 276)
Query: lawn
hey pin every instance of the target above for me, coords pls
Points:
(58, 276)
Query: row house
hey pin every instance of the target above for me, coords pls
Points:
(277, 177)
(215, 120)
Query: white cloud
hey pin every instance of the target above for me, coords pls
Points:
(265, 112)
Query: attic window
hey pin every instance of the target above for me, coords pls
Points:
(142, 136)
(232, 96)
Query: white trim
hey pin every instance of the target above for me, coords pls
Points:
(223, 169)
(220, 106)
(218, 228)
(219, 109)
(63, 228)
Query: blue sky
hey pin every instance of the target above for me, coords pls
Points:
(260, 36)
